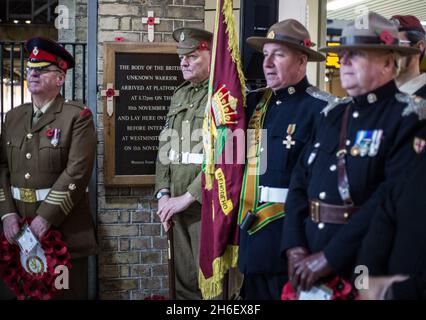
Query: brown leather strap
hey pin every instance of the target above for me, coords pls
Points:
(330, 213)
(342, 176)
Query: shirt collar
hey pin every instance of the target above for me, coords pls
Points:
(293, 89)
(44, 108)
(412, 85)
(201, 85)
(379, 94)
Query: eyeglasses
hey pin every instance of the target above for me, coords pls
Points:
(41, 70)
(405, 43)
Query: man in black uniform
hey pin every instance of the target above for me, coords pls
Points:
(411, 33)
(360, 144)
(281, 119)
(394, 249)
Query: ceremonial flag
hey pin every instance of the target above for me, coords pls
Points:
(224, 151)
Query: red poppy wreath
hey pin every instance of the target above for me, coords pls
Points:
(341, 290)
(33, 277)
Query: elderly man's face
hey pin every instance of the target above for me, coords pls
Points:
(195, 66)
(282, 65)
(45, 80)
(362, 71)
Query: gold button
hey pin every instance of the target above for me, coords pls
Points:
(191, 105)
(28, 156)
(29, 135)
(320, 225)
(182, 138)
(8, 143)
(322, 195)
(27, 176)
(72, 186)
(346, 215)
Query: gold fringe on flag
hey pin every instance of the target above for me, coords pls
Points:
(212, 287)
(233, 45)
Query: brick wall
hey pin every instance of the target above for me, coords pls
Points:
(133, 258)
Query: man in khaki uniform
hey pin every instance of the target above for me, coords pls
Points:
(178, 169)
(47, 152)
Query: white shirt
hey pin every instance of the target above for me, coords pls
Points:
(411, 86)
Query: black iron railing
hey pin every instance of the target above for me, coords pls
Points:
(13, 59)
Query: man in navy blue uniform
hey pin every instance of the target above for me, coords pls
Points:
(411, 33)
(281, 119)
(394, 249)
(361, 143)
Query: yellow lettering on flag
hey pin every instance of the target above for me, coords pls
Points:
(223, 199)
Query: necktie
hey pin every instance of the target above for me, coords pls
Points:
(37, 115)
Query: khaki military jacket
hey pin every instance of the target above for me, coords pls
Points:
(31, 159)
(182, 136)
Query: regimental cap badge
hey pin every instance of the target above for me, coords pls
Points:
(271, 35)
(35, 51)
(291, 90)
(182, 36)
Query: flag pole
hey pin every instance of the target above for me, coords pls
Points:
(226, 286)
(171, 263)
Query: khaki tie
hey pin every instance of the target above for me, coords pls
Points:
(37, 115)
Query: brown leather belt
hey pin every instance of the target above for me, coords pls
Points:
(330, 213)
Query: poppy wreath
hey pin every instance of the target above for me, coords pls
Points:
(342, 290)
(31, 286)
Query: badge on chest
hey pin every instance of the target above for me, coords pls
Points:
(289, 142)
(367, 142)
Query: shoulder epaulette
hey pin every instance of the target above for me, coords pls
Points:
(332, 100)
(182, 85)
(319, 94)
(75, 104)
(415, 105)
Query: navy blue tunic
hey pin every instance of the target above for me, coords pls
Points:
(260, 252)
(315, 176)
(396, 240)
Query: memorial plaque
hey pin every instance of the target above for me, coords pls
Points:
(141, 79)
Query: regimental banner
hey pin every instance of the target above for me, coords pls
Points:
(224, 159)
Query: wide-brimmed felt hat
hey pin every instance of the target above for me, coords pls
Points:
(191, 39)
(291, 33)
(44, 52)
(371, 32)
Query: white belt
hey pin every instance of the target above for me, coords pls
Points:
(187, 157)
(21, 193)
(268, 194)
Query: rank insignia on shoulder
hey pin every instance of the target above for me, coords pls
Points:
(415, 105)
(367, 142)
(419, 145)
(85, 112)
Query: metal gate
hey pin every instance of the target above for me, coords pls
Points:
(13, 60)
